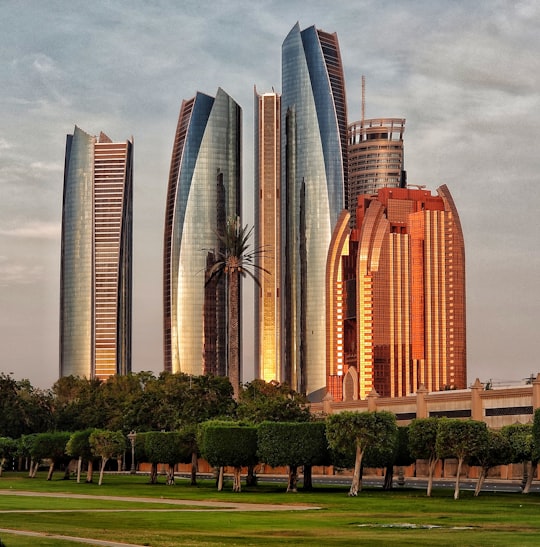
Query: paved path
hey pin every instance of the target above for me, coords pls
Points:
(194, 505)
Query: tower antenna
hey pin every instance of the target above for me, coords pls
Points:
(363, 99)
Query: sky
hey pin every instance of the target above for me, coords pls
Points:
(465, 75)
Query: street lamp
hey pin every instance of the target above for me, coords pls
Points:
(132, 435)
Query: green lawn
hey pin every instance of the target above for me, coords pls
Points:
(400, 517)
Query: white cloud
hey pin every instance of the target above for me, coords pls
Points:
(4, 144)
(33, 230)
(12, 273)
(47, 166)
(43, 64)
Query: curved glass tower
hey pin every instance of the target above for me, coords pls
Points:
(314, 170)
(95, 270)
(203, 191)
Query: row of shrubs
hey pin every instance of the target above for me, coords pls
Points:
(346, 440)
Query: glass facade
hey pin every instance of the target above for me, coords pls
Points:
(203, 191)
(268, 236)
(96, 257)
(375, 157)
(313, 166)
(404, 277)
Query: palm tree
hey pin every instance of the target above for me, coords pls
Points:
(233, 260)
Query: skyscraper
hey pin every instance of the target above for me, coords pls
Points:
(375, 157)
(203, 192)
(397, 286)
(314, 171)
(268, 236)
(96, 257)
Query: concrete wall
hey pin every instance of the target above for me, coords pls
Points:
(496, 407)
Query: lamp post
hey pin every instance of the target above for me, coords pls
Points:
(132, 435)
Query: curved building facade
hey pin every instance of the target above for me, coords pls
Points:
(402, 279)
(96, 257)
(203, 191)
(314, 169)
(376, 158)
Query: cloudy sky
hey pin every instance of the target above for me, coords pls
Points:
(465, 75)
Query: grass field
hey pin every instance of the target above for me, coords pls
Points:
(400, 517)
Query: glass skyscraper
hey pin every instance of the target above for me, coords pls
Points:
(314, 172)
(96, 257)
(268, 236)
(203, 192)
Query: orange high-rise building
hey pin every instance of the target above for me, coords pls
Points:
(396, 296)
(268, 236)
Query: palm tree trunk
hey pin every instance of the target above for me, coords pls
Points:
(234, 332)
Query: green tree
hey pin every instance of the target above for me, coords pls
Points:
(292, 444)
(261, 401)
(495, 451)
(25, 450)
(234, 259)
(23, 409)
(165, 447)
(76, 404)
(388, 455)
(78, 446)
(228, 444)
(423, 444)
(355, 432)
(535, 451)
(462, 439)
(105, 445)
(51, 446)
(520, 438)
(8, 449)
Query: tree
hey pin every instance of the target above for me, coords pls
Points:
(76, 404)
(23, 409)
(292, 444)
(105, 445)
(261, 401)
(388, 455)
(351, 433)
(78, 446)
(51, 446)
(423, 444)
(228, 444)
(165, 447)
(8, 448)
(535, 452)
(462, 439)
(520, 438)
(234, 260)
(496, 451)
(25, 450)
